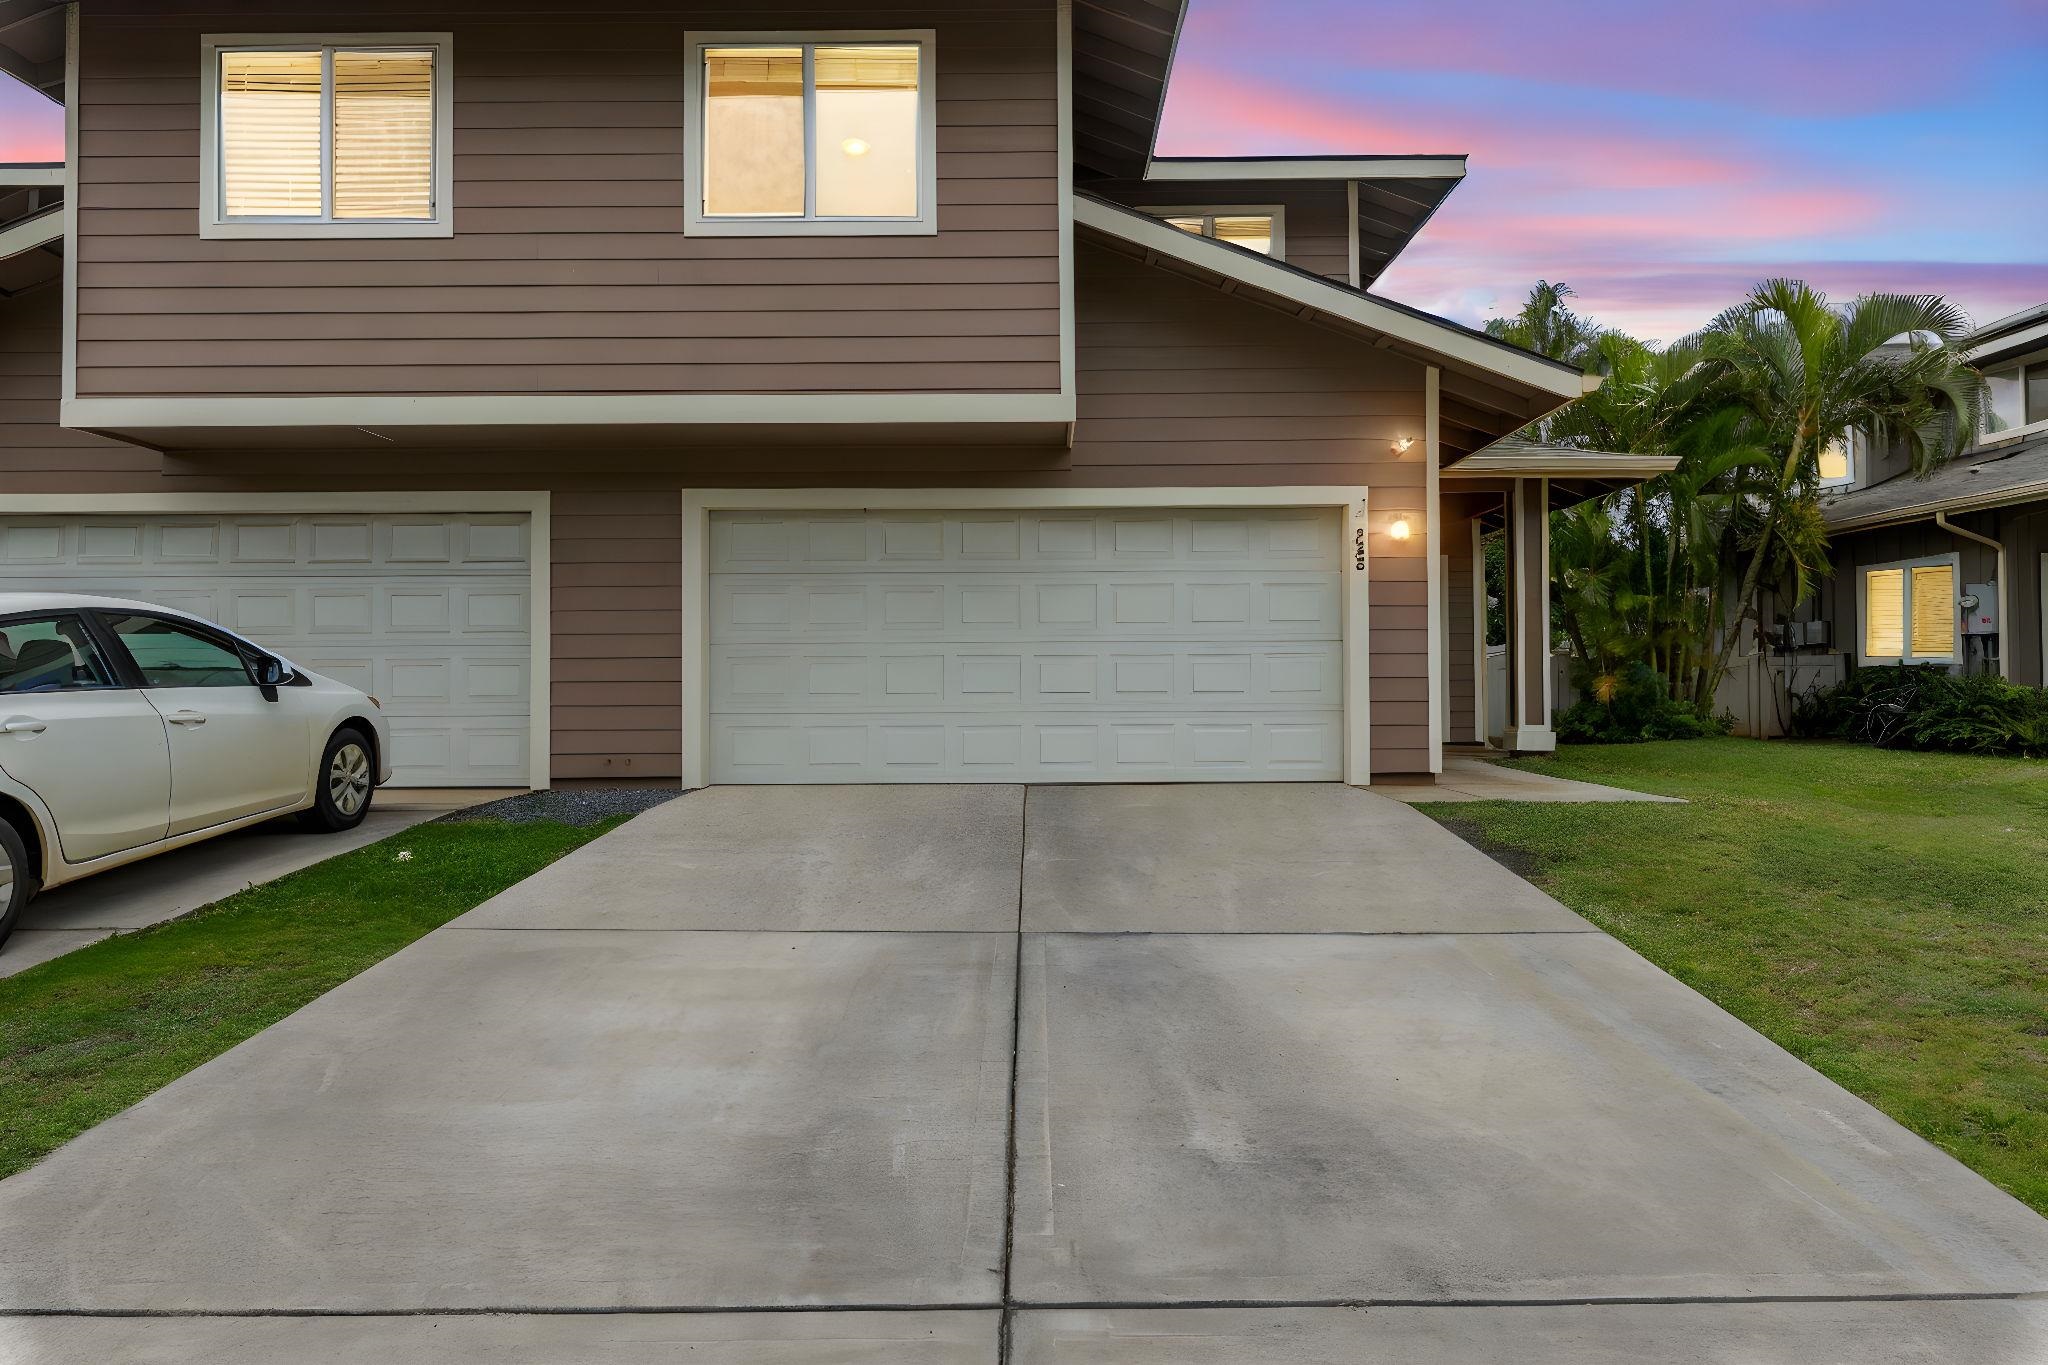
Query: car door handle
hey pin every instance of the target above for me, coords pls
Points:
(24, 727)
(185, 718)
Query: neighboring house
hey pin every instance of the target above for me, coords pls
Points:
(1952, 570)
(852, 398)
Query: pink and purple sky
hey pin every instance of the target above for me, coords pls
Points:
(1658, 156)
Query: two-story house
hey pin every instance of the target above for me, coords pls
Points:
(838, 393)
(1951, 570)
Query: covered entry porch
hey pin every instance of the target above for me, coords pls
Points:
(1499, 674)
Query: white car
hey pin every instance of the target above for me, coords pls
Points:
(128, 729)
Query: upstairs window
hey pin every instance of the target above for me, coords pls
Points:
(811, 133)
(1254, 229)
(2016, 396)
(1837, 461)
(1909, 612)
(344, 137)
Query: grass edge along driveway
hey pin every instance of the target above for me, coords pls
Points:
(86, 1035)
(1883, 916)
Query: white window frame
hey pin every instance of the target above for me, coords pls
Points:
(1863, 572)
(696, 223)
(215, 224)
(2036, 361)
(1278, 213)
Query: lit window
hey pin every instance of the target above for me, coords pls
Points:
(1258, 231)
(2015, 396)
(1837, 461)
(1909, 612)
(328, 139)
(812, 136)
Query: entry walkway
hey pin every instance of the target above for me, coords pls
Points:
(952, 1076)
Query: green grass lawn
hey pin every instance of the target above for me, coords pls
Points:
(86, 1035)
(1881, 915)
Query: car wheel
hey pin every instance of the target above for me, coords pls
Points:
(17, 881)
(344, 784)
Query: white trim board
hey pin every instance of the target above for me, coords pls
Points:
(1310, 168)
(28, 234)
(1432, 548)
(699, 503)
(21, 176)
(1458, 347)
(395, 412)
(538, 507)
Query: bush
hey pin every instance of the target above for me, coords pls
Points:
(1630, 707)
(1924, 707)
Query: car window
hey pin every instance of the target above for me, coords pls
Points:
(54, 654)
(172, 655)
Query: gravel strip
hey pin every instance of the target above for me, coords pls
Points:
(567, 805)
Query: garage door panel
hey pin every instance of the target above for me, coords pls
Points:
(964, 677)
(427, 612)
(749, 608)
(911, 542)
(1038, 646)
(1024, 747)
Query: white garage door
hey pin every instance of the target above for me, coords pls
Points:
(1038, 646)
(428, 613)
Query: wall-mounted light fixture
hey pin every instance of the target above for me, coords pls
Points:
(854, 146)
(1399, 530)
(1401, 446)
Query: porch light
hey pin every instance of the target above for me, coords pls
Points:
(1399, 530)
(1401, 446)
(854, 146)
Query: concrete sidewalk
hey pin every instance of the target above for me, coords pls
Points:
(798, 1076)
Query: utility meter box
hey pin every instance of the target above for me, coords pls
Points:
(1980, 610)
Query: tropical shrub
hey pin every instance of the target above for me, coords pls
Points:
(1923, 707)
(1631, 705)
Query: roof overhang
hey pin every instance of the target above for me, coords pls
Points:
(1123, 52)
(2010, 343)
(1490, 387)
(32, 44)
(1202, 168)
(2034, 491)
(1560, 462)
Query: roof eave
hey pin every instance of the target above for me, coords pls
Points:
(1444, 341)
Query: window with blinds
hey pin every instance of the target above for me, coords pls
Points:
(1884, 613)
(336, 135)
(1253, 230)
(1910, 612)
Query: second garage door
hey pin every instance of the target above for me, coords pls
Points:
(1038, 646)
(429, 613)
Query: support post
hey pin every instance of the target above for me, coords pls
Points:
(1529, 697)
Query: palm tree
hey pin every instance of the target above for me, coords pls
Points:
(1798, 373)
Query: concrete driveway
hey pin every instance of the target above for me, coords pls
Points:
(1200, 1076)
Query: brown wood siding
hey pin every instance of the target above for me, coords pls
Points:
(2024, 531)
(1317, 217)
(1179, 386)
(569, 271)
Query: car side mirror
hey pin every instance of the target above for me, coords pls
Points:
(269, 672)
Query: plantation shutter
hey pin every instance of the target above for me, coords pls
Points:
(1884, 613)
(1934, 611)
